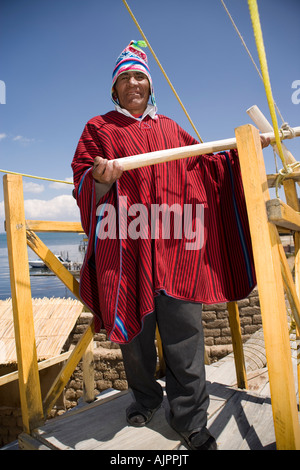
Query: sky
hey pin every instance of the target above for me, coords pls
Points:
(57, 58)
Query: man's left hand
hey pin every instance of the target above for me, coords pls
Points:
(265, 141)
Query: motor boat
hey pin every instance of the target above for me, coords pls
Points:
(38, 263)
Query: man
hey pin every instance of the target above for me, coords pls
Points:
(134, 276)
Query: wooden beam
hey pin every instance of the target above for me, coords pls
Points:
(5, 379)
(282, 215)
(36, 244)
(88, 373)
(29, 383)
(271, 291)
(237, 344)
(53, 226)
(65, 374)
(292, 199)
(291, 176)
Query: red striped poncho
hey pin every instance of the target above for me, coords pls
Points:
(121, 275)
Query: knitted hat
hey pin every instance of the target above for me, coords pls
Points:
(131, 59)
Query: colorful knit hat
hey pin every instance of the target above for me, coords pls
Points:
(132, 58)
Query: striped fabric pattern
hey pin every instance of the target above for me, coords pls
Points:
(121, 276)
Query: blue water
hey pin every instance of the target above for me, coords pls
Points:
(66, 244)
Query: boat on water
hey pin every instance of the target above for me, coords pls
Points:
(38, 263)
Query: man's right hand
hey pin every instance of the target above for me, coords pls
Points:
(107, 171)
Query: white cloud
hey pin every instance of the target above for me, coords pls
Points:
(30, 187)
(23, 140)
(62, 208)
(2, 136)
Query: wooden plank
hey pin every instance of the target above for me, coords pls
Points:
(4, 379)
(237, 344)
(64, 375)
(232, 424)
(88, 373)
(27, 442)
(289, 283)
(270, 288)
(261, 435)
(295, 176)
(36, 244)
(293, 200)
(53, 226)
(29, 384)
(101, 425)
(282, 215)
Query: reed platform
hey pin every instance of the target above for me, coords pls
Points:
(239, 419)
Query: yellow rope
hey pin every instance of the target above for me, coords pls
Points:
(36, 177)
(265, 74)
(161, 68)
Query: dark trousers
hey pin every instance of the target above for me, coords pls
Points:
(180, 327)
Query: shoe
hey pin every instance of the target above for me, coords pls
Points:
(137, 415)
(200, 440)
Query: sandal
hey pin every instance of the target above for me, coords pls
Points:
(137, 415)
(200, 440)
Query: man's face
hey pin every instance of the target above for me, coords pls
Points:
(133, 89)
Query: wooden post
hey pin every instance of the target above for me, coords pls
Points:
(29, 383)
(63, 377)
(292, 199)
(88, 373)
(239, 360)
(270, 288)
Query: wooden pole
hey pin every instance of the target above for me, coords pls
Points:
(62, 379)
(29, 383)
(270, 288)
(161, 156)
(238, 351)
(293, 200)
(264, 126)
(88, 373)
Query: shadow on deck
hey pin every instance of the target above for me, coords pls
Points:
(238, 419)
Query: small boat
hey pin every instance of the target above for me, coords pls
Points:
(38, 263)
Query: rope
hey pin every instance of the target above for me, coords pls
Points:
(248, 52)
(265, 75)
(161, 68)
(283, 173)
(36, 177)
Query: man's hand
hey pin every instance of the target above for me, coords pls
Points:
(107, 171)
(264, 141)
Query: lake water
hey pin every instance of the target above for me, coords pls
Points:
(66, 244)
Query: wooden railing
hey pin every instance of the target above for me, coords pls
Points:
(20, 233)
(273, 276)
